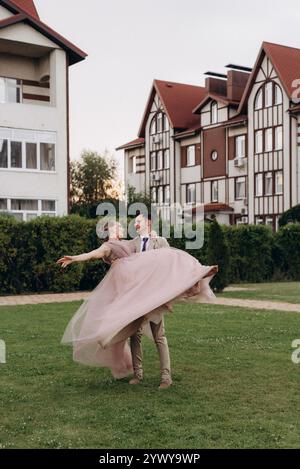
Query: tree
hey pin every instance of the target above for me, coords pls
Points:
(218, 254)
(290, 216)
(138, 197)
(93, 180)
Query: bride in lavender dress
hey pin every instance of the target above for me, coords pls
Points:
(138, 287)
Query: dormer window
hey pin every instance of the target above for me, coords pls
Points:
(213, 112)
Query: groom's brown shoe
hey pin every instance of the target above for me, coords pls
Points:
(135, 381)
(165, 384)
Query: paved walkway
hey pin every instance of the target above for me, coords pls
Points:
(66, 297)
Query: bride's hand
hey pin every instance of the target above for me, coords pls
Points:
(65, 261)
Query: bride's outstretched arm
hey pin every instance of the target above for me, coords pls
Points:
(99, 253)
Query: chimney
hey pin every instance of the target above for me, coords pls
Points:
(236, 83)
(215, 85)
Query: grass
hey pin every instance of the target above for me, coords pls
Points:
(235, 385)
(284, 291)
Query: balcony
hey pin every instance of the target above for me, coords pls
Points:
(24, 73)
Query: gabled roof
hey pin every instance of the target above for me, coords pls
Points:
(214, 97)
(28, 6)
(178, 99)
(286, 62)
(21, 16)
(138, 142)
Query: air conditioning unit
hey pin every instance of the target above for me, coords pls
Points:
(239, 162)
(243, 211)
(156, 138)
(244, 219)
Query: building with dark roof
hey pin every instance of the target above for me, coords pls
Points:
(232, 145)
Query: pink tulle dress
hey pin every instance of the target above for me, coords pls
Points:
(138, 287)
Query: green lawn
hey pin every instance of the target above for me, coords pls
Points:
(234, 384)
(283, 291)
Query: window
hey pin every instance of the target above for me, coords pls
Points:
(240, 146)
(10, 90)
(130, 164)
(258, 141)
(48, 205)
(3, 153)
(214, 155)
(259, 99)
(160, 195)
(278, 182)
(258, 185)
(269, 221)
(191, 155)
(268, 183)
(167, 195)
(153, 161)
(160, 160)
(134, 164)
(27, 150)
(3, 204)
(16, 154)
(153, 126)
(214, 191)
(22, 204)
(259, 221)
(190, 193)
(159, 122)
(47, 156)
(154, 195)
(166, 159)
(268, 94)
(278, 138)
(277, 94)
(31, 155)
(269, 139)
(166, 122)
(214, 113)
(240, 187)
(27, 209)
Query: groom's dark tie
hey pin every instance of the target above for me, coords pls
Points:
(145, 240)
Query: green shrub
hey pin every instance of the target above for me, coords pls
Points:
(29, 251)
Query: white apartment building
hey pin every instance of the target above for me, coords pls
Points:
(34, 113)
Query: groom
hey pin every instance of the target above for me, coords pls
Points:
(142, 243)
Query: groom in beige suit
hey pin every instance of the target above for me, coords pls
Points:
(142, 243)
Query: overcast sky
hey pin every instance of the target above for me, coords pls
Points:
(131, 42)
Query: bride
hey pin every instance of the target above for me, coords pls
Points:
(138, 287)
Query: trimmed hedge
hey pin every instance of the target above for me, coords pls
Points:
(29, 251)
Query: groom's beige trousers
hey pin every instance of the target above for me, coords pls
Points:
(158, 331)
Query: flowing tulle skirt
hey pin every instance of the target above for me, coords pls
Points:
(136, 289)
